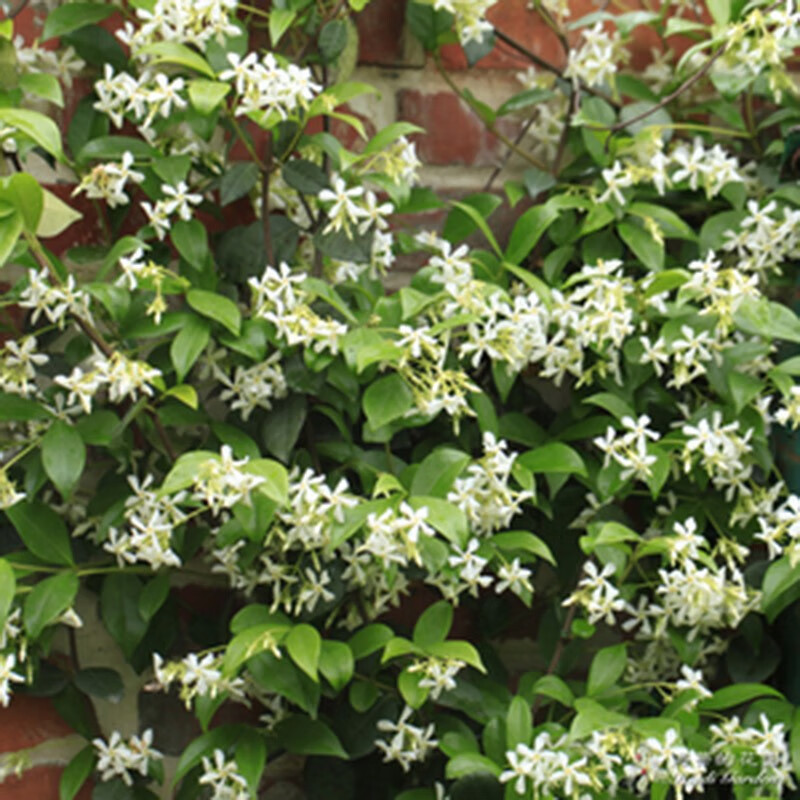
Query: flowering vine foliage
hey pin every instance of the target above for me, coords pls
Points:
(567, 436)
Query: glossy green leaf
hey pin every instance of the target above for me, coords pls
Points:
(47, 601)
(217, 307)
(304, 645)
(42, 531)
(63, 456)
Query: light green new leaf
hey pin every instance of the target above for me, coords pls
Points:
(56, 216)
(73, 16)
(275, 483)
(336, 663)
(175, 53)
(8, 585)
(205, 95)
(41, 129)
(304, 645)
(187, 346)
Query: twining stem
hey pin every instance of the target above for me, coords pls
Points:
(489, 126)
(265, 198)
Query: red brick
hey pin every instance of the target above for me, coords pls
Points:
(39, 783)
(28, 721)
(454, 134)
(380, 33)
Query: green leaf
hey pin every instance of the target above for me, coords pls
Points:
(607, 668)
(175, 53)
(221, 738)
(729, 696)
(336, 663)
(523, 540)
(434, 624)
(386, 400)
(779, 579)
(56, 216)
(237, 181)
(527, 231)
(470, 764)
(47, 601)
(11, 227)
(437, 472)
(205, 95)
(8, 585)
(251, 757)
(463, 651)
(459, 224)
(184, 472)
(112, 148)
(480, 223)
(389, 134)
(77, 772)
(73, 16)
(553, 457)
(42, 532)
(519, 724)
(250, 642)
(744, 388)
(63, 456)
(427, 23)
(304, 645)
(280, 19)
(153, 596)
(370, 639)
(14, 407)
(187, 346)
(612, 403)
(765, 318)
(445, 517)
(648, 250)
(670, 223)
(100, 682)
(332, 40)
(281, 676)
(41, 129)
(275, 484)
(554, 687)
(305, 176)
(24, 192)
(720, 11)
(119, 607)
(283, 425)
(412, 693)
(191, 241)
(309, 737)
(217, 307)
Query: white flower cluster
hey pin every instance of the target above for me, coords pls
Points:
(630, 450)
(737, 747)
(695, 165)
(179, 200)
(8, 676)
(221, 482)
(151, 519)
(765, 239)
(150, 96)
(107, 182)
(470, 21)
(63, 63)
(394, 536)
(223, 778)
(197, 677)
(118, 758)
(267, 87)
(192, 22)
(19, 359)
(438, 674)
(484, 494)
(279, 299)
(55, 302)
(408, 743)
(254, 387)
(779, 527)
(546, 768)
(597, 595)
(667, 762)
(545, 131)
(597, 60)
(121, 376)
(720, 450)
(355, 207)
(720, 290)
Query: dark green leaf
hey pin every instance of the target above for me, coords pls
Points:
(237, 181)
(100, 682)
(42, 531)
(305, 736)
(47, 601)
(76, 773)
(187, 346)
(63, 456)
